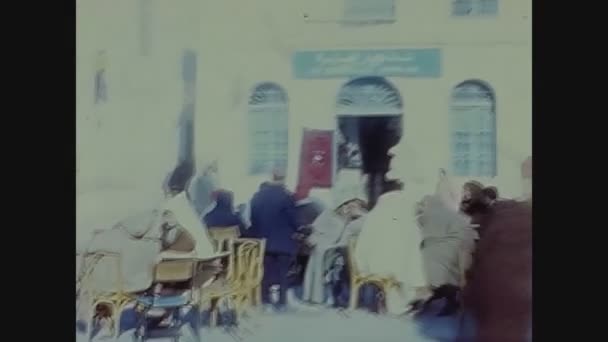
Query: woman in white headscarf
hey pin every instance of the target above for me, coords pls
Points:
(389, 243)
(331, 231)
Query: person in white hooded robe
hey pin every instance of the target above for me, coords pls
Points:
(447, 237)
(389, 243)
(332, 231)
(142, 241)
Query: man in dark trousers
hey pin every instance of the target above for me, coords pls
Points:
(273, 217)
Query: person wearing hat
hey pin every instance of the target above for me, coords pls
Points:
(273, 217)
(331, 231)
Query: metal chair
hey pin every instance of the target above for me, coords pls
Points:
(358, 279)
(251, 261)
(104, 305)
(243, 282)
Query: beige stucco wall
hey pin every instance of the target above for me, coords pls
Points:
(242, 43)
(494, 50)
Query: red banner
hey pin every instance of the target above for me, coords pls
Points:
(316, 160)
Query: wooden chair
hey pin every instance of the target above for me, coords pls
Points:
(358, 279)
(220, 236)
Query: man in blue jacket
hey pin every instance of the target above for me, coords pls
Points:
(273, 218)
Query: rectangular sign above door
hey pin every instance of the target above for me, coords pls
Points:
(352, 63)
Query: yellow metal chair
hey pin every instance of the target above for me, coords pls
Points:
(251, 261)
(358, 279)
(220, 236)
(243, 278)
(223, 286)
(97, 298)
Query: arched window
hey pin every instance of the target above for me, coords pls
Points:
(369, 96)
(268, 128)
(473, 130)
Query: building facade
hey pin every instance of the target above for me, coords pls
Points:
(457, 71)
(128, 131)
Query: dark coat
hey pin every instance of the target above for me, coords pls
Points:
(273, 217)
(223, 214)
(499, 285)
(308, 212)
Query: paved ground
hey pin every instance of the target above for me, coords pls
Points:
(331, 326)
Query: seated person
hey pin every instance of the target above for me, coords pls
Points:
(331, 230)
(223, 214)
(140, 240)
(174, 237)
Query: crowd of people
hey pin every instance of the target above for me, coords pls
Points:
(464, 245)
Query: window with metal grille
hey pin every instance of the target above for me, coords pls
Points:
(368, 96)
(473, 130)
(369, 11)
(474, 7)
(268, 128)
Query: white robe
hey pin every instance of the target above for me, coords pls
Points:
(188, 219)
(326, 228)
(137, 240)
(446, 233)
(326, 231)
(389, 245)
(330, 233)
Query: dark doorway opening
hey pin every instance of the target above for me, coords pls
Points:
(369, 120)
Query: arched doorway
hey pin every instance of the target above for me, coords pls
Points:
(369, 114)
